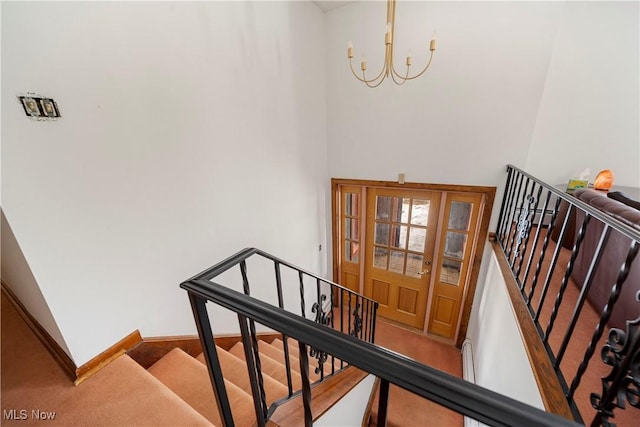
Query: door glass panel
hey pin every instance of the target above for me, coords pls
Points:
(352, 229)
(454, 246)
(450, 272)
(352, 204)
(383, 207)
(420, 212)
(351, 251)
(417, 237)
(382, 234)
(396, 262)
(404, 205)
(414, 265)
(380, 257)
(460, 215)
(399, 236)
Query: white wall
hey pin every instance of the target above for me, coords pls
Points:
(495, 338)
(188, 131)
(589, 115)
(473, 112)
(18, 277)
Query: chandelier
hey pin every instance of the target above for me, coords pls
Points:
(388, 69)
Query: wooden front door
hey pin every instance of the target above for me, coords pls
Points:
(454, 254)
(401, 230)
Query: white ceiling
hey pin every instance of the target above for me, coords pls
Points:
(327, 5)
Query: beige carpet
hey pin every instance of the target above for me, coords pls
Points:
(122, 394)
(405, 408)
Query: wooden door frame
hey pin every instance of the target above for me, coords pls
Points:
(488, 196)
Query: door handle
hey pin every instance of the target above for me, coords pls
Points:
(423, 272)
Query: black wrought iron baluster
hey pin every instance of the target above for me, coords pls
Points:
(276, 266)
(510, 228)
(503, 206)
(622, 385)
(383, 403)
(332, 306)
(362, 318)
(285, 339)
(584, 291)
(543, 251)
(341, 308)
(375, 314)
(306, 386)
(349, 312)
(525, 241)
(318, 309)
(552, 265)
(520, 225)
(534, 245)
(245, 279)
(365, 309)
(254, 367)
(507, 223)
(203, 324)
(565, 279)
(357, 320)
(254, 340)
(604, 318)
(302, 305)
(322, 318)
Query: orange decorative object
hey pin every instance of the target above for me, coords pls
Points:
(604, 180)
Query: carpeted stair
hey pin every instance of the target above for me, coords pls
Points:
(189, 379)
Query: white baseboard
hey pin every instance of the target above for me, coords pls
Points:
(468, 373)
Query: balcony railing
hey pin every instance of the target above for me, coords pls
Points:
(342, 343)
(542, 233)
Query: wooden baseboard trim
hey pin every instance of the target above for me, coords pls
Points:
(60, 356)
(548, 384)
(366, 419)
(94, 365)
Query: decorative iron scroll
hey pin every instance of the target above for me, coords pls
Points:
(523, 224)
(324, 318)
(622, 385)
(357, 321)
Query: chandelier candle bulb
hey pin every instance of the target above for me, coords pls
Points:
(350, 50)
(432, 44)
(409, 58)
(387, 36)
(363, 64)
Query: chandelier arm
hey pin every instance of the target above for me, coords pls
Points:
(425, 68)
(369, 82)
(362, 79)
(395, 74)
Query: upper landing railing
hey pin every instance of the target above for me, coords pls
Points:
(542, 232)
(392, 368)
(297, 291)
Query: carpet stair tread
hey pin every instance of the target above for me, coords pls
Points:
(189, 379)
(277, 354)
(235, 370)
(271, 367)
